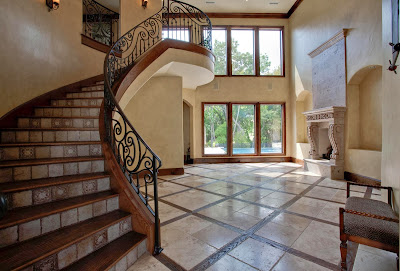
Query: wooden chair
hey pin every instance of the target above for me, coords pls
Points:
(368, 222)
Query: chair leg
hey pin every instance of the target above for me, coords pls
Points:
(397, 261)
(343, 254)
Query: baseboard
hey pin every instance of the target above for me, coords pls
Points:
(357, 178)
(216, 160)
(171, 171)
(298, 161)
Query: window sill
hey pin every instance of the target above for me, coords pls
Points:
(264, 76)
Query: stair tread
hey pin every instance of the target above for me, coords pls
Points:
(86, 91)
(85, 98)
(32, 162)
(48, 129)
(24, 214)
(58, 117)
(49, 143)
(68, 106)
(26, 253)
(109, 255)
(31, 184)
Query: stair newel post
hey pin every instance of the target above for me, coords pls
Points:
(157, 245)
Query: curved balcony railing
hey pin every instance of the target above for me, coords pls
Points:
(99, 22)
(175, 20)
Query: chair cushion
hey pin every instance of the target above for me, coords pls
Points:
(379, 230)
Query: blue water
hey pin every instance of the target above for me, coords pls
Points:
(251, 150)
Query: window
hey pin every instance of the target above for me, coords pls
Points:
(219, 48)
(243, 129)
(271, 128)
(242, 52)
(215, 129)
(248, 51)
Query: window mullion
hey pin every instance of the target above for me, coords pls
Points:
(230, 136)
(257, 49)
(229, 51)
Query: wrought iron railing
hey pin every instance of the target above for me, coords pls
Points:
(136, 159)
(100, 23)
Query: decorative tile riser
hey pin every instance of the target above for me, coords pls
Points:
(48, 136)
(67, 112)
(82, 248)
(25, 173)
(57, 123)
(57, 192)
(94, 88)
(86, 94)
(77, 102)
(41, 152)
(127, 261)
(40, 226)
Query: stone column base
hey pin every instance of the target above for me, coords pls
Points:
(324, 168)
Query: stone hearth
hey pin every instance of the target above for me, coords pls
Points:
(333, 119)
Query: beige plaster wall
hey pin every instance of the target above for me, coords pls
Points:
(390, 111)
(371, 110)
(156, 113)
(42, 50)
(364, 162)
(132, 13)
(316, 21)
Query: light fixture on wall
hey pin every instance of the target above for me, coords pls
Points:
(144, 3)
(53, 4)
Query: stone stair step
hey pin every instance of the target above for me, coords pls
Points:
(27, 135)
(67, 111)
(96, 87)
(55, 192)
(23, 170)
(121, 254)
(15, 151)
(58, 122)
(86, 94)
(26, 223)
(13, 187)
(66, 245)
(77, 102)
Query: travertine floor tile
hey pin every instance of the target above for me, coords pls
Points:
(290, 262)
(149, 263)
(228, 263)
(279, 233)
(166, 211)
(320, 240)
(257, 254)
(215, 235)
(371, 259)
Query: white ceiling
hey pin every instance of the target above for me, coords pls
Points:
(243, 6)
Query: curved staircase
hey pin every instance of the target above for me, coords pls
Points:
(62, 210)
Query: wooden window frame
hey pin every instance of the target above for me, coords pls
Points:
(256, 30)
(257, 119)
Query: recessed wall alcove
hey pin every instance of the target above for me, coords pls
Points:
(364, 122)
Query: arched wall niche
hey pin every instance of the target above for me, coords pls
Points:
(364, 122)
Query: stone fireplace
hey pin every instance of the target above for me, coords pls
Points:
(318, 120)
(325, 123)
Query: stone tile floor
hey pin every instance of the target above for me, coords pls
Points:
(262, 216)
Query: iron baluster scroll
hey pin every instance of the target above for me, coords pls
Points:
(137, 161)
(100, 23)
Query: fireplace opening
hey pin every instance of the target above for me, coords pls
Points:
(325, 147)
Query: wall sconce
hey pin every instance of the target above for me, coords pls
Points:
(144, 3)
(53, 4)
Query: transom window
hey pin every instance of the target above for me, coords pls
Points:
(231, 129)
(248, 51)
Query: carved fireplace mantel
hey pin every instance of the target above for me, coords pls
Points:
(333, 118)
